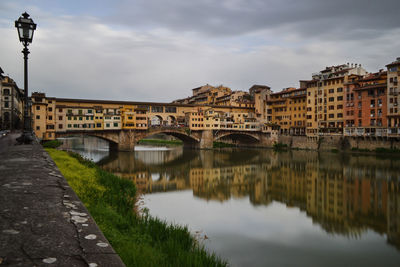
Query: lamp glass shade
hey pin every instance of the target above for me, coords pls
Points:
(25, 27)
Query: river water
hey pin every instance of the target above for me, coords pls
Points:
(256, 207)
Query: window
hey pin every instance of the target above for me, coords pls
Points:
(89, 111)
(107, 125)
(60, 110)
(157, 109)
(115, 124)
(372, 103)
(98, 125)
(6, 92)
(6, 104)
(37, 128)
(340, 89)
(50, 109)
(80, 118)
(60, 118)
(69, 111)
(69, 125)
(339, 98)
(50, 118)
(339, 106)
(171, 110)
(38, 117)
(331, 91)
(37, 107)
(331, 116)
(331, 99)
(80, 111)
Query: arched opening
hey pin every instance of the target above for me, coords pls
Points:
(238, 139)
(156, 121)
(172, 137)
(91, 147)
(171, 121)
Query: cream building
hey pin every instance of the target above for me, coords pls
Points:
(11, 104)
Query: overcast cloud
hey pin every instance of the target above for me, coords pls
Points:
(158, 50)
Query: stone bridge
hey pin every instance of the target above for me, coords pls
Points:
(125, 140)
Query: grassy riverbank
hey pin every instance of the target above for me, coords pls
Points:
(140, 240)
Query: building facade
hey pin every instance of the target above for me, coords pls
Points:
(11, 104)
(393, 98)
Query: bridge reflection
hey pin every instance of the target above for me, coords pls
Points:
(346, 195)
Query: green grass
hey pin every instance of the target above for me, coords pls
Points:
(221, 145)
(140, 240)
(52, 144)
(160, 142)
(279, 146)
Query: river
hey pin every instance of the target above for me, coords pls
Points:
(257, 207)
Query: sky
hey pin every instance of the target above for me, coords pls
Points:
(158, 50)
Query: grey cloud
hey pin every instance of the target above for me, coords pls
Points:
(236, 17)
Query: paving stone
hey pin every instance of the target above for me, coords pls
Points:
(42, 221)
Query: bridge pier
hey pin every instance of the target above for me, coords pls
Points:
(126, 140)
(207, 139)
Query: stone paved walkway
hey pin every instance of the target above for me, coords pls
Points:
(42, 221)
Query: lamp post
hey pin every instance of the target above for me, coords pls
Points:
(25, 27)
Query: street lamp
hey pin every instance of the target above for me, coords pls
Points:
(25, 27)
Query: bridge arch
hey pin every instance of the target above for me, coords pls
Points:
(111, 137)
(238, 138)
(187, 139)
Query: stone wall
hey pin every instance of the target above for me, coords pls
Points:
(373, 143)
(327, 143)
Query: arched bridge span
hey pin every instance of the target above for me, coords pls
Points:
(125, 140)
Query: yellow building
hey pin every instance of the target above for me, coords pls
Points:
(325, 99)
(287, 109)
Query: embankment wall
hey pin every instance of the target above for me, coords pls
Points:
(338, 142)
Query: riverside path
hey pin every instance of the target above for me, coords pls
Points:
(42, 221)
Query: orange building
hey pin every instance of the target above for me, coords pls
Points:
(370, 106)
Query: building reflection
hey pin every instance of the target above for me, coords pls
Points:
(344, 195)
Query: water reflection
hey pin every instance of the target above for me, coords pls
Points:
(259, 204)
(89, 147)
(344, 196)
